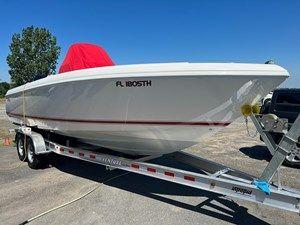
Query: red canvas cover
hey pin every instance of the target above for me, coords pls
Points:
(84, 55)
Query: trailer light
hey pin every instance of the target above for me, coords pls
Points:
(135, 166)
(189, 178)
(153, 170)
(169, 174)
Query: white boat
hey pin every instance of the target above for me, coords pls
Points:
(143, 109)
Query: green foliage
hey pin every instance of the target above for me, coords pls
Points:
(4, 87)
(33, 52)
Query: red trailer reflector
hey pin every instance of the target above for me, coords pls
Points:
(92, 156)
(169, 174)
(62, 149)
(135, 166)
(71, 151)
(189, 178)
(81, 154)
(151, 169)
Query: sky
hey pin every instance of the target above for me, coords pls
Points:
(165, 31)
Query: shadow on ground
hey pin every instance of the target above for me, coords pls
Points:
(216, 206)
(261, 152)
(258, 152)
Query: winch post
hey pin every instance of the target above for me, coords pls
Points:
(266, 136)
(280, 151)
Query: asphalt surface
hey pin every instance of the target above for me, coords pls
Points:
(129, 199)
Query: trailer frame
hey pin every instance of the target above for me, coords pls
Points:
(213, 177)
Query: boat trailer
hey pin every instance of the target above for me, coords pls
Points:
(214, 177)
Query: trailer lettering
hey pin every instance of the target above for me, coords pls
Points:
(241, 190)
(113, 162)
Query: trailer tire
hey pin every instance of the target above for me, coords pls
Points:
(294, 162)
(265, 108)
(34, 161)
(20, 147)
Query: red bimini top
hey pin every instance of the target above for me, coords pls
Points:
(83, 56)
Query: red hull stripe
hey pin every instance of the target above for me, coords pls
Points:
(176, 123)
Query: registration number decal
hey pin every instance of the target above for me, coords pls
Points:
(134, 83)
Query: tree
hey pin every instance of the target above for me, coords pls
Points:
(33, 53)
(4, 87)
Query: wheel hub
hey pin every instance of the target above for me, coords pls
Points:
(30, 154)
(294, 157)
(21, 147)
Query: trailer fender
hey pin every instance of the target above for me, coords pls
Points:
(37, 139)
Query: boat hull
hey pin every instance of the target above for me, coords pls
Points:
(140, 114)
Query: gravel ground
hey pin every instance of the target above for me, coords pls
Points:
(132, 198)
(2, 109)
(5, 125)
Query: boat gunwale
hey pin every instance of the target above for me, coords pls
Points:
(104, 73)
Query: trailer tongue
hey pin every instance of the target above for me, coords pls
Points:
(214, 177)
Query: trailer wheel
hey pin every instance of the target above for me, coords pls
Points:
(292, 160)
(34, 161)
(20, 147)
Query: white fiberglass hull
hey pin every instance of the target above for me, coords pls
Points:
(143, 109)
